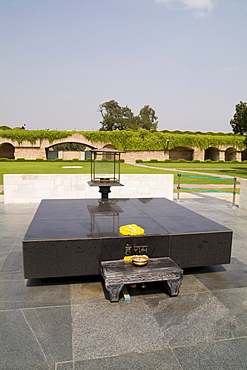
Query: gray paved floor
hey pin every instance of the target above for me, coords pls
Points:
(70, 325)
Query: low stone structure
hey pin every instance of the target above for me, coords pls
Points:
(33, 188)
(70, 237)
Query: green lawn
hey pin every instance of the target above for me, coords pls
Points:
(47, 167)
(230, 169)
(234, 172)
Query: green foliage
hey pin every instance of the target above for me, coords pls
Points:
(115, 117)
(153, 160)
(147, 140)
(39, 159)
(208, 161)
(131, 140)
(21, 159)
(196, 161)
(182, 161)
(139, 161)
(5, 128)
(32, 136)
(148, 119)
(239, 121)
(198, 133)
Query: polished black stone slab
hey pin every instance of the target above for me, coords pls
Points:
(70, 237)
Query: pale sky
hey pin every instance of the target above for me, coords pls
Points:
(61, 59)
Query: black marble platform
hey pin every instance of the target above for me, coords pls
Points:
(70, 237)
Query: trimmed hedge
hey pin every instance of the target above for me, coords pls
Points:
(53, 160)
(207, 161)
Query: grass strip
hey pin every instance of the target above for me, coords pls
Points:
(47, 167)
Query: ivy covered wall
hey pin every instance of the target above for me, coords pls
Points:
(132, 140)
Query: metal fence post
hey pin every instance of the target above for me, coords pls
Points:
(178, 187)
(234, 192)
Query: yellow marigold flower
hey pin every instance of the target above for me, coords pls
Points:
(127, 258)
(131, 230)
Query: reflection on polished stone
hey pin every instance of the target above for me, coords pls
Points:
(104, 218)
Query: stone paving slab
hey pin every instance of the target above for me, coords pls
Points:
(19, 348)
(52, 329)
(66, 324)
(195, 318)
(219, 277)
(222, 355)
(102, 329)
(235, 300)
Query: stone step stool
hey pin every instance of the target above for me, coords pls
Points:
(117, 273)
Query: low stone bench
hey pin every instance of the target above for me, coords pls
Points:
(118, 273)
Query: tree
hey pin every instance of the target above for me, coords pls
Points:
(239, 121)
(148, 119)
(116, 117)
(112, 115)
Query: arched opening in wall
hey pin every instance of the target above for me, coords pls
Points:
(244, 155)
(230, 154)
(110, 146)
(181, 152)
(108, 156)
(69, 150)
(212, 153)
(7, 151)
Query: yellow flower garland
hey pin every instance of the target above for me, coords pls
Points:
(131, 230)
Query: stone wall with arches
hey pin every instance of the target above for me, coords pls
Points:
(12, 149)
